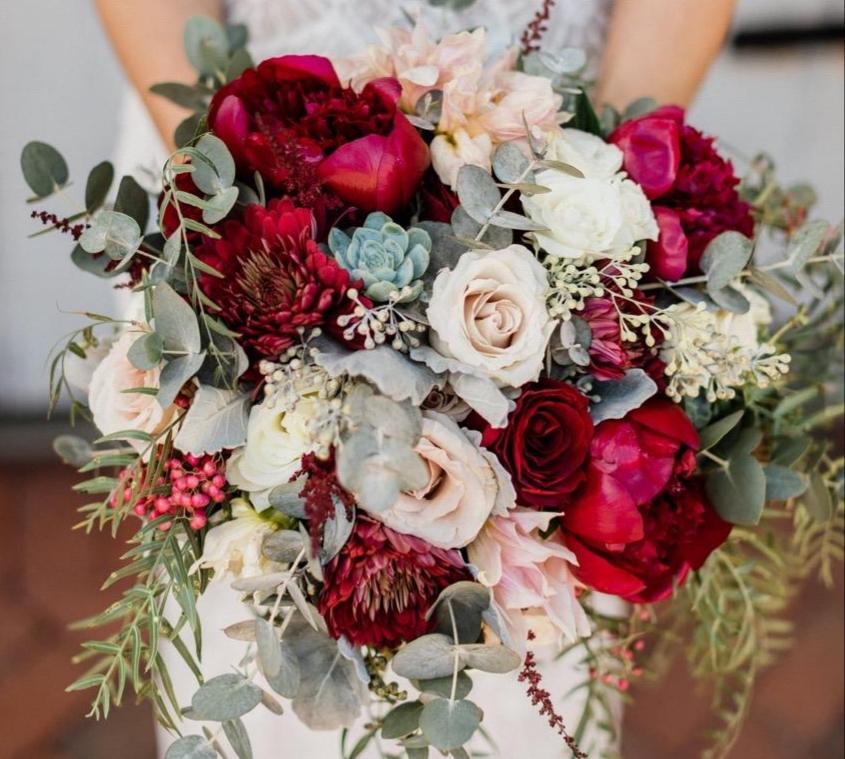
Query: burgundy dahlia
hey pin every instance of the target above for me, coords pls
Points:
(693, 188)
(379, 589)
(275, 279)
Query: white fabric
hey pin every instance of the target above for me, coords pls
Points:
(341, 27)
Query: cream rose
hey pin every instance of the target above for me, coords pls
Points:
(233, 549)
(450, 153)
(466, 486)
(601, 214)
(745, 328)
(114, 408)
(489, 313)
(277, 439)
(531, 577)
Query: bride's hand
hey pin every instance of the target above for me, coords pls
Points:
(662, 49)
(147, 36)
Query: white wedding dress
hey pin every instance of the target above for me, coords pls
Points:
(341, 27)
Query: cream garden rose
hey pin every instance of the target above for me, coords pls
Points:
(113, 407)
(277, 439)
(599, 215)
(466, 486)
(489, 313)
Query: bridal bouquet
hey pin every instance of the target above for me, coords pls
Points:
(425, 356)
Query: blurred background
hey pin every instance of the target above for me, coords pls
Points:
(779, 86)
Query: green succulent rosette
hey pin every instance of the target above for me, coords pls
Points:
(387, 258)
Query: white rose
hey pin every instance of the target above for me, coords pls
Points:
(233, 549)
(116, 410)
(276, 441)
(745, 328)
(591, 155)
(466, 486)
(602, 214)
(490, 313)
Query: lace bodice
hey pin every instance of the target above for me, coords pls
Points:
(341, 27)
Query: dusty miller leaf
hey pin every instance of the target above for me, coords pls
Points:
(620, 397)
(217, 420)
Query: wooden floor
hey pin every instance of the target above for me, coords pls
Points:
(49, 577)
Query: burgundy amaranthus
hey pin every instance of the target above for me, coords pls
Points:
(322, 493)
(542, 698)
(65, 226)
(533, 35)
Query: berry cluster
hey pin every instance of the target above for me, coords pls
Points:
(187, 487)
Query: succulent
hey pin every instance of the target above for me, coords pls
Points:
(387, 258)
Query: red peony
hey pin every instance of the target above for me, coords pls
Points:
(275, 279)
(640, 523)
(545, 443)
(291, 120)
(379, 589)
(693, 189)
(437, 201)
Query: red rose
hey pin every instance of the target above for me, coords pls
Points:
(291, 120)
(639, 523)
(545, 443)
(275, 278)
(693, 189)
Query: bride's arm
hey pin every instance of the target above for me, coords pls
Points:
(147, 35)
(661, 48)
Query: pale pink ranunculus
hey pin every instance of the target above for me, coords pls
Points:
(532, 580)
(451, 152)
(115, 407)
(467, 485)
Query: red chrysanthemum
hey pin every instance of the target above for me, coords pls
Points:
(379, 589)
(275, 278)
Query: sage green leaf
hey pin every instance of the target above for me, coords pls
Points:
(133, 200)
(459, 609)
(73, 450)
(287, 680)
(191, 747)
(44, 169)
(497, 660)
(731, 299)
(269, 650)
(738, 493)
(146, 352)
(716, 432)
(478, 193)
(226, 697)
(465, 228)
(448, 725)
(806, 243)
(510, 164)
(402, 721)
(206, 45)
(442, 686)
(184, 95)
(217, 420)
(176, 321)
(114, 233)
(783, 483)
(98, 185)
(818, 500)
(510, 220)
(619, 397)
(283, 546)
(175, 374)
(219, 206)
(429, 657)
(238, 738)
(215, 171)
(725, 258)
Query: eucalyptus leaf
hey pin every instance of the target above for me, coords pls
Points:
(176, 321)
(806, 243)
(336, 534)
(287, 679)
(191, 747)
(243, 632)
(269, 649)
(114, 233)
(184, 95)
(226, 697)
(429, 657)
(460, 608)
(478, 193)
(725, 258)
(731, 299)
(261, 583)
(146, 352)
(283, 546)
(215, 171)
(187, 129)
(715, 433)
(467, 229)
(620, 397)
(44, 168)
(510, 220)
(219, 206)
(98, 185)
(783, 484)
(448, 725)
(175, 374)
(238, 737)
(99, 265)
(240, 61)
(739, 492)
(497, 660)
(510, 164)
(216, 421)
(818, 500)
(206, 45)
(133, 200)
(402, 721)
(286, 499)
(442, 686)
(73, 450)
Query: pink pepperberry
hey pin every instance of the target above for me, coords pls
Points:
(219, 481)
(192, 482)
(199, 520)
(624, 686)
(209, 469)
